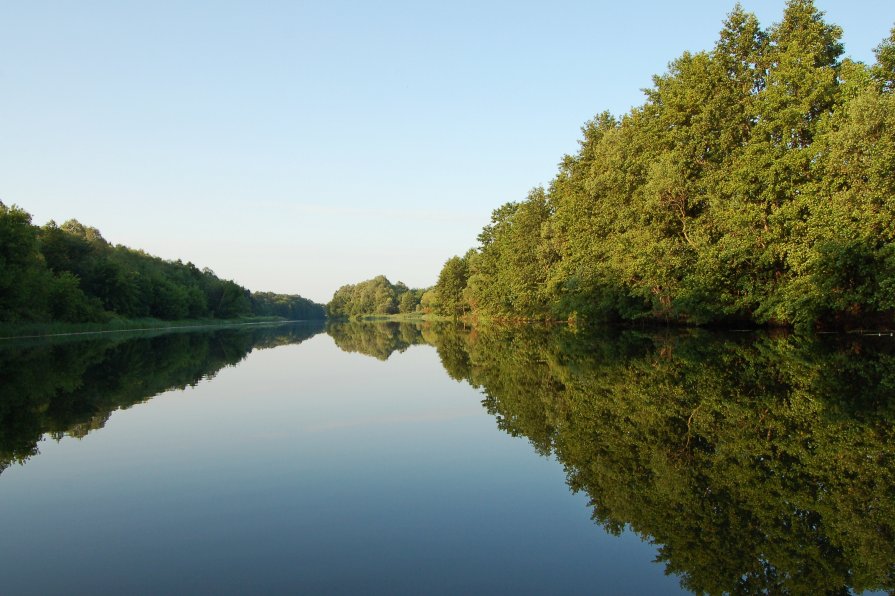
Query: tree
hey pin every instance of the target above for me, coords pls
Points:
(450, 286)
(408, 302)
(884, 69)
(377, 296)
(23, 275)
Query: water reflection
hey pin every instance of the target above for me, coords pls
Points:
(757, 463)
(69, 388)
(379, 340)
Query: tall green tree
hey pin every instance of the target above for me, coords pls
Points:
(884, 70)
(451, 285)
(22, 271)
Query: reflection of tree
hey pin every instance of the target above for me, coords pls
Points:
(72, 387)
(757, 463)
(379, 340)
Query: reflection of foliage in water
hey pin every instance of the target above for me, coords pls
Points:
(756, 463)
(72, 387)
(379, 340)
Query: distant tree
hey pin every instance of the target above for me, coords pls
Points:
(429, 302)
(377, 296)
(409, 302)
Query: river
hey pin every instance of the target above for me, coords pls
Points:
(426, 458)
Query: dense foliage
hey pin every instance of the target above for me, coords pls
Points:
(757, 463)
(377, 296)
(755, 184)
(71, 273)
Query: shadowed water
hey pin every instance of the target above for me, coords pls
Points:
(503, 459)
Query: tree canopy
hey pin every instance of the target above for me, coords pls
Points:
(754, 184)
(377, 296)
(71, 273)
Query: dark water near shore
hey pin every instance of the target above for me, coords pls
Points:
(401, 458)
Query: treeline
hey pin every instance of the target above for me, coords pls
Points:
(377, 296)
(71, 273)
(754, 185)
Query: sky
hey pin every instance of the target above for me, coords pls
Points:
(298, 146)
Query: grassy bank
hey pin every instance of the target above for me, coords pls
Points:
(24, 330)
(398, 318)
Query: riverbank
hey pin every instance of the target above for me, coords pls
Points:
(397, 318)
(55, 329)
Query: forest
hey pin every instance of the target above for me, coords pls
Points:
(754, 186)
(70, 273)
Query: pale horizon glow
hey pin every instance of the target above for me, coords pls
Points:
(296, 147)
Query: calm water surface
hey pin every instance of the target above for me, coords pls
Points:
(386, 458)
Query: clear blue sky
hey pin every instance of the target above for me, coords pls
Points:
(297, 146)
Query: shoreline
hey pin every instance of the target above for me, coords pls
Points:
(14, 331)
